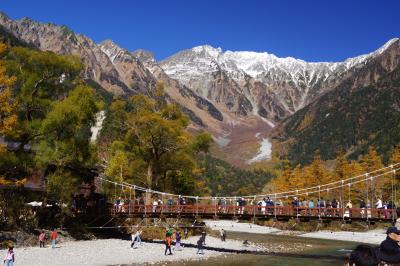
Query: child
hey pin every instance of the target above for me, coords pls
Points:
(42, 239)
(10, 257)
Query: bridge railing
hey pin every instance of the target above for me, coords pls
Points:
(233, 210)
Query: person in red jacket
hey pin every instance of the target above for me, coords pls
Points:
(53, 238)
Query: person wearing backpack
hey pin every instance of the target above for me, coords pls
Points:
(168, 243)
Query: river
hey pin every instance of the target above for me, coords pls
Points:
(315, 249)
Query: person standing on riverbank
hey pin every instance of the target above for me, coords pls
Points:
(9, 259)
(178, 241)
(168, 243)
(223, 235)
(53, 238)
(42, 239)
(186, 232)
(200, 245)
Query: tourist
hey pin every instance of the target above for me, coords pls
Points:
(311, 204)
(222, 233)
(305, 203)
(42, 239)
(168, 243)
(155, 204)
(263, 205)
(385, 208)
(178, 241)
(138, 238)
(203, 235)
(364, 255)
(241, 203)
(160, 204)
(335, 205)
(347, 212)
(170, 203)
(362, 207)
(321, 206)
(398, 217)
(182, 203)
(121, 206)
(116, 205)
(389, 248)
(200, 244)
(53, 238)
(379, 204)
(133, 238)
(223, 204)
(186, 232)
(9, 259)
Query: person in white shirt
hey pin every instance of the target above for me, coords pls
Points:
(379, 204)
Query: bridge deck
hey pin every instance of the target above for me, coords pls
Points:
(253, 212)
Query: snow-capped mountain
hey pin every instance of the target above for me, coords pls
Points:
(233, 95)
(293, 82)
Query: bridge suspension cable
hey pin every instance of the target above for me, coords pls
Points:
(277, 195)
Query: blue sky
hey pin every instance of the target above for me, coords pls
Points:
(310, 30)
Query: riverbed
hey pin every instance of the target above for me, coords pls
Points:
(292, 250)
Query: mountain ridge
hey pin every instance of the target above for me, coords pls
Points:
(234, 95)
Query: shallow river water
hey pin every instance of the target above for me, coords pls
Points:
(293, 247)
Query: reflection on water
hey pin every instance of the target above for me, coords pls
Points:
(305, 246)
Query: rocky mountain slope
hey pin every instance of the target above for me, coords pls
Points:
(238, 97)
(113, 68)
(259, 83)
(363, 110)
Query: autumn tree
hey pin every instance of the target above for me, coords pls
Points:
(64, 149)
(378, 185)
(154, 149)
(8, 115)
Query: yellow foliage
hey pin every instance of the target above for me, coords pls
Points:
(316, 174)
(308, 118)
(8, 117)
(6, 182)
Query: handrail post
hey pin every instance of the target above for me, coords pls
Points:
(234, 207)
(130, 200)
(215, 206)
(197, 205)
(145, 207)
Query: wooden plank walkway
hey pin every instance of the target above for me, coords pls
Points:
(253, 212)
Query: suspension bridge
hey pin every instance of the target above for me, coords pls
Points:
(135, 201)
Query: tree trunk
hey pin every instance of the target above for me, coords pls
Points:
(149, 181)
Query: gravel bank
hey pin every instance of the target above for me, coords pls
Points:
(115, 252)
